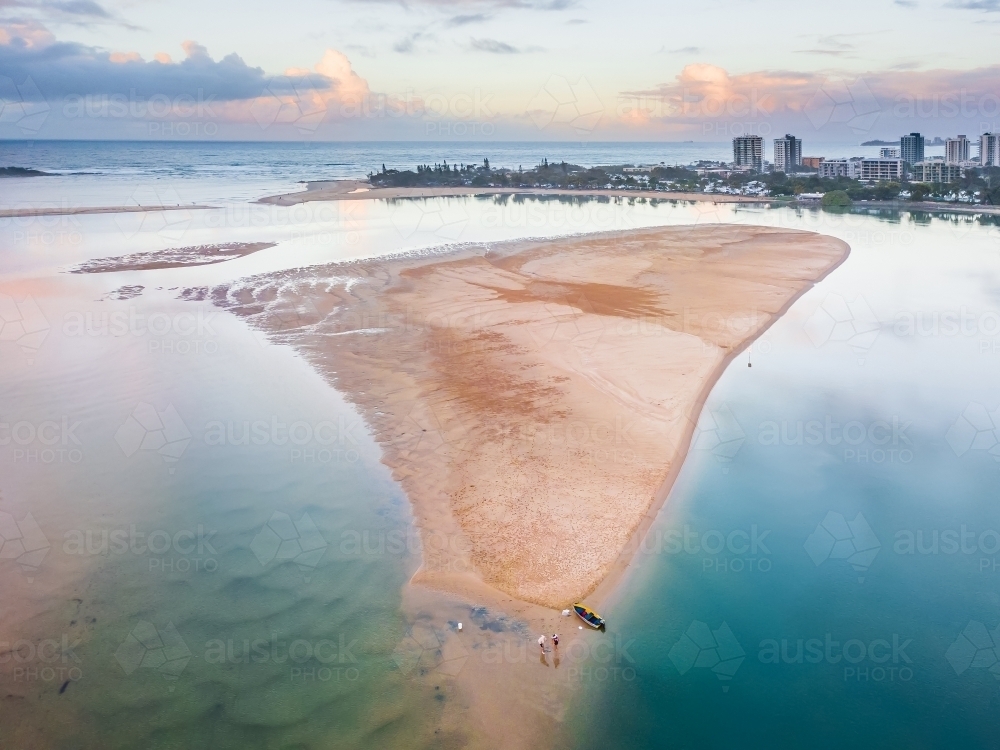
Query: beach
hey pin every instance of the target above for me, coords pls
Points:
(534, 398)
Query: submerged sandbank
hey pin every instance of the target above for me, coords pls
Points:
(174, 257)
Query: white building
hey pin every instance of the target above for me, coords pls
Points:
(748, 151)
(787, 153)
(936, 170)
(888, 152)
(879, 170)
(830, 168)
(989, 149)
(956, 150)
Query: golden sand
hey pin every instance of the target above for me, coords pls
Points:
(535, 399)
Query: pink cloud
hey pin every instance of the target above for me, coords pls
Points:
(195, 51)
(124, 57)
(28, 34)
(705, 99)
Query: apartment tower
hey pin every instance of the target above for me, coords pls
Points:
(787, 153)
(748, 152)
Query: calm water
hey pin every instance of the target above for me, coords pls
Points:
(874, 506)
(213, 516)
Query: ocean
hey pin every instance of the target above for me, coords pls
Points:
(823, 573)
(208, 170)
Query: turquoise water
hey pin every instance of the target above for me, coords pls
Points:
(277, 525)
(851, 636)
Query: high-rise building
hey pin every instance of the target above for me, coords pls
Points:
(787, 153)
(911, 148)
(748, 152)
(989, 149)
(956, 150)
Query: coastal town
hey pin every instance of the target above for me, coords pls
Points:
(968, 173)
(959, 175)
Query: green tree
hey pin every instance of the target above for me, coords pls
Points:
(836, 199)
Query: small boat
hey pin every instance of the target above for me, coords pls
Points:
(589, 616)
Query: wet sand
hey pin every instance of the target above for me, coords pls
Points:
(353, 190)
(536, 399)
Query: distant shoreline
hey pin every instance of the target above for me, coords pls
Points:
(346, 190)
(350, 190)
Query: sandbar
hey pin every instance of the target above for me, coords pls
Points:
(535, 399)
(357, 190)
(17, 213)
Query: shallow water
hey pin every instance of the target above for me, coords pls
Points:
(271, 519)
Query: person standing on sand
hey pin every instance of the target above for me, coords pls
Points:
(555, 640)
(541, 643)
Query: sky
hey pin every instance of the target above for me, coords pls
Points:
(633, 70)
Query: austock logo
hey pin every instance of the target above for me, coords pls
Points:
(286, 540)
(23, 324)
(147, 429)
(292, 101)
(718, 431)
(160, 211)
(47, 660)
(23, 542)
(836, 538)
(147, 647)
(976, 648)
(703, 648)
(736, 551)
(839, 320)
(879, 660)
(425, 649)
(441, 217)
(877, 441)
(976, 429)
(559, 102)
(852, 104)
(23, 105)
